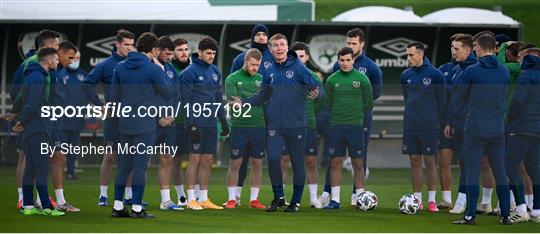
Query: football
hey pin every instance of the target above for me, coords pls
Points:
(409, 204)
(366, 201)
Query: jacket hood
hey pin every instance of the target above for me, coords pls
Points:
(470, 60)
(292, 58)
(489, 61)
(136, 60)
(195, 59)
(424, 65)
(30, 53)
(32, 67)
(530, 61)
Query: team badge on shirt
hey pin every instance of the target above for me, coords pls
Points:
(196, 146)
(272, 132)
(356, 84)
(426, 81)
(201, 78)
(258, 83)
(80, 77)
(267, 64)
(65, 79)
(362, 69)
(289, 74)
(170, 74)
(215, 77)
(235, 152)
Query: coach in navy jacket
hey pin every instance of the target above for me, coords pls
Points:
(285, 85)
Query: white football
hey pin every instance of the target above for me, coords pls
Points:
(366, 201)
(409, 204)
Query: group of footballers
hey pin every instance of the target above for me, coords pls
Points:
(483, 106)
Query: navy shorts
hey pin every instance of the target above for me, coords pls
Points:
(420, 142)
(208, 142)
(311, 142)
(111, 133)
(247, 142)
(181, 139)
(68, 136)
(345, 138)
(56, 136)
(166, 135)
(444, 142)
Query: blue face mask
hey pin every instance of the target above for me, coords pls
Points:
(74, 65)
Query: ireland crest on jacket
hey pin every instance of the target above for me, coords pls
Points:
(363, 70)
(170, 74)
(289, 74)
(426, 81)
(267, 64)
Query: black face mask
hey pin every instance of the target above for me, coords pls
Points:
(259, 46)
(181, 65)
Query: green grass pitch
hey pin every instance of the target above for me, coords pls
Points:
(388, 184)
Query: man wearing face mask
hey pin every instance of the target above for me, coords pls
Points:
(74, 97)
(103, 73)
(137, 82)
(66, 54)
